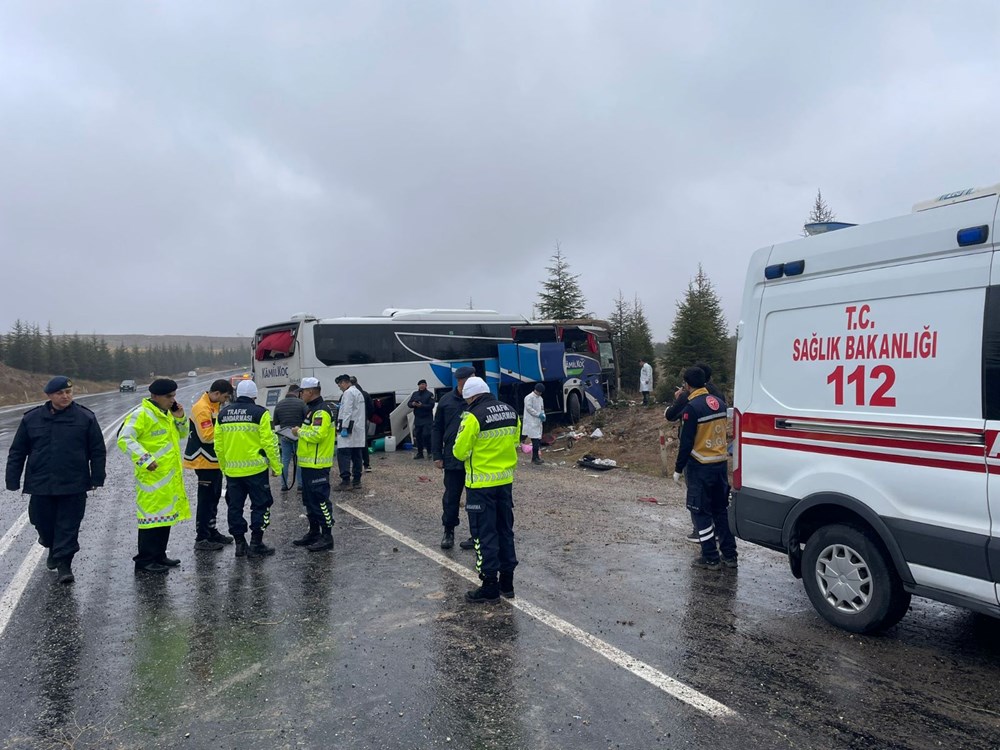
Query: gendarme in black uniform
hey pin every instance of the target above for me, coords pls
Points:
(65, 455)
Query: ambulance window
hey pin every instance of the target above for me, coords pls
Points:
(991, 354)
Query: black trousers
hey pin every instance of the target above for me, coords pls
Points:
(209, 492)
(152, 545)
(316, 497)
(707, 499)
(258, 488)
(57, 520)
(422, 437)
(536, 443)
(454, 483)
(350, 461)
(491, 521)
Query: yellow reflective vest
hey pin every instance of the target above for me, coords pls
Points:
(487, 442)
(317, 437)
(200, 450)
(149, 435)
(245, 444)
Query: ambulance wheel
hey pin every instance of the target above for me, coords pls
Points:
(851, 581)
(573, 407)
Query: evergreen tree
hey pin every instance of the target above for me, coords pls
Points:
(820, 212)
(699, 334)
(561, 297)
(632, 339)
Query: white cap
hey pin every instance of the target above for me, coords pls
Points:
(246, 388)
(309, 383)
(473, 387)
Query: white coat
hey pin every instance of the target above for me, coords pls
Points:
(352, 409)
(646, 377)
(531, 425)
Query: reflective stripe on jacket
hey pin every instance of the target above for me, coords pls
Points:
(703, 430)
(317, 437)
(150, 434)
(244, 441)
(200, 450)
(487, 441)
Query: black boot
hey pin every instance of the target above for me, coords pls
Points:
(507, 585)
(488, 592)
(448, 540)
(65, 572)
(309, 537)
(219, 538)
(50, 562)
(469, 543)
(241, 545)
(324, 542)
(257, 547)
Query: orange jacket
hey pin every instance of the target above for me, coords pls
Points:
(200, 450)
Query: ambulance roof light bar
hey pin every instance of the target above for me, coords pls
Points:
(958, 196)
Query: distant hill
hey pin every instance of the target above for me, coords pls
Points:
(145, 340)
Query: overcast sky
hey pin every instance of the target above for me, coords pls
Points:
(208, 167)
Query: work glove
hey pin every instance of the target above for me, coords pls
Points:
(345, 432)
(678, 478)
(541, 417)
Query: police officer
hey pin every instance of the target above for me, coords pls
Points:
(317, 443)
(422, 403)
(702, 459)
(246, 445)
(199, 455)
(446, 420)
(62, 444)
(151, 437)
(487, 441)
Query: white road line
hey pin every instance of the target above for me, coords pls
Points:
(16, 588)
(12, 532)
(615, 655)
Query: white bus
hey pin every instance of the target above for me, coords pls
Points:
(387, 353)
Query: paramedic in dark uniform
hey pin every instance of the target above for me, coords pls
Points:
(446, 420)
(702, 459)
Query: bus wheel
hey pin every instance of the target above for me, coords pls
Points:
(573, 407)
(851, 580)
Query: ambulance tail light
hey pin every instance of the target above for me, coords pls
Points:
(973, 235)
(737, 451)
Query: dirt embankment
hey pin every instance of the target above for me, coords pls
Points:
(631, 438)
(19, 387)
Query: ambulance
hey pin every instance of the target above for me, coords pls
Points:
(867, 411)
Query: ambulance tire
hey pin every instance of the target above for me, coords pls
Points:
(573, 407)
(859, 554)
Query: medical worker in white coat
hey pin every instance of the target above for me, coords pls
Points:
(534, 415)
(350, 435)
(645, 380)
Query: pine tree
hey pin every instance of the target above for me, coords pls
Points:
(699, 334)
(561, 297)
(632, 338)
(820, 213)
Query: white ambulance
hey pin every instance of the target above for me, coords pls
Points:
(867, 411)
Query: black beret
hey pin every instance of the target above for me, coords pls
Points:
(464, 372)
(58, 383)
(539, 388)
(421, 382)
(162, 387)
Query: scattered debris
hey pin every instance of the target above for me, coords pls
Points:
(597, 433)
(649, 500)
(599, 464)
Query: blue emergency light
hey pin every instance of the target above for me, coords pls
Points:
(774, 272)
(973, 235)
(795, 267)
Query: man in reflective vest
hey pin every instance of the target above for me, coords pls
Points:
(151, 437)
(487, 441)
(702, 461)
(200, 456)
(246, 446)
(317, 443)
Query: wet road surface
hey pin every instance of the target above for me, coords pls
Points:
(612, 641)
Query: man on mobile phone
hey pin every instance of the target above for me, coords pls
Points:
(151, 437)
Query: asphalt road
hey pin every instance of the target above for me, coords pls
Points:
(613, 640)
